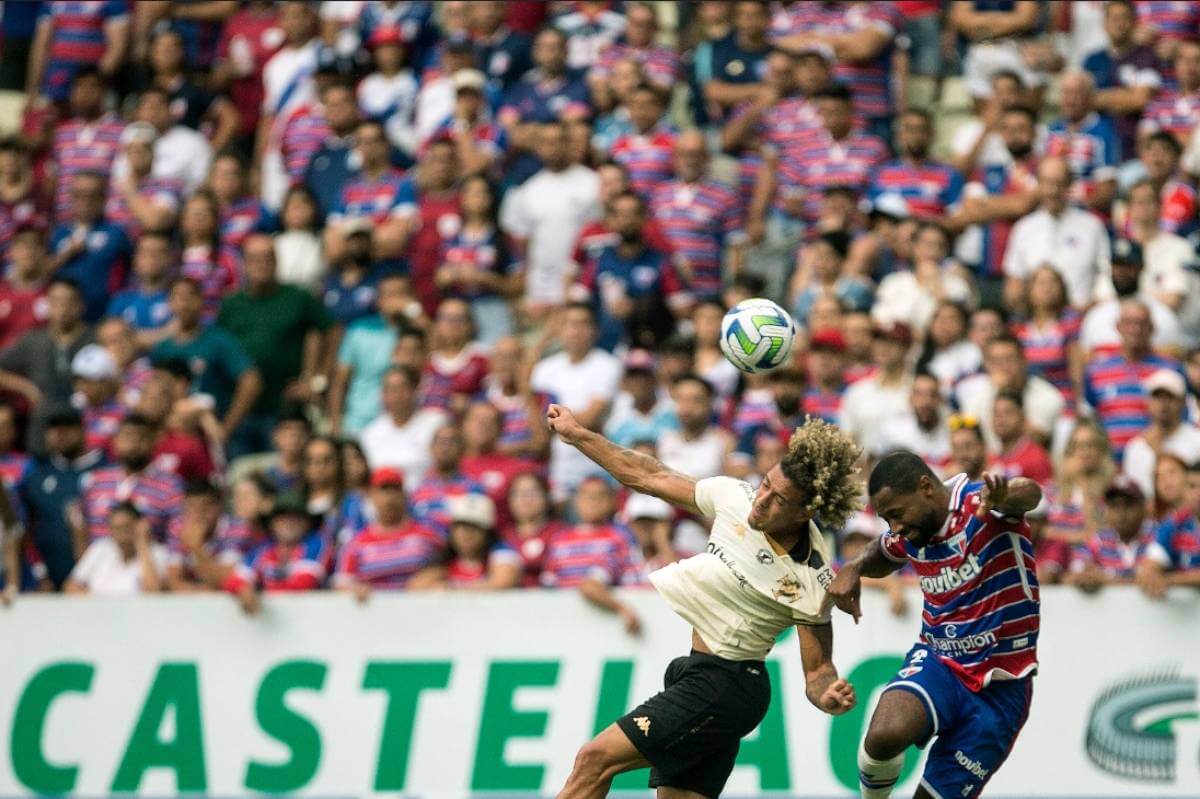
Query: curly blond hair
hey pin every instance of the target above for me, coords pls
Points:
(823, 462)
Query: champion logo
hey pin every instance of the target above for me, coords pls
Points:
(643, 724)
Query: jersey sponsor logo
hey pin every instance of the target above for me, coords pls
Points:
(973, 766)
(1129, 730)
(719, 551)
(949, 579)
(953, 644)
(643, 724)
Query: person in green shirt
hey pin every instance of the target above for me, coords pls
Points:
(220, 366)
(283, 328)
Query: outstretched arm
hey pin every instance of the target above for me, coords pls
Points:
(1014, 497)
(845, 591)
(642, 473)
(828, 692)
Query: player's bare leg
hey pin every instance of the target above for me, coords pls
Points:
(608, 754)
(900, 721)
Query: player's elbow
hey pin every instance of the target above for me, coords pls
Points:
(1026, 494)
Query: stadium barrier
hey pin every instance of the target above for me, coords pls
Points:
(469, 694)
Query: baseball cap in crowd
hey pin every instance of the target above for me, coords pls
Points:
(476, 509)
(290, 503)
(1125, 251)
(1166, 380)
(93, 362)
(1126, 486)
(817, 48)
(888, 204)
(829, 339)
(639, 361)
(386, 34)
(387, 477)
(896, 331)
(644, 506)
(142, 132)
(471, 80)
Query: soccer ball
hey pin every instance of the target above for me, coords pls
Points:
(757, 335)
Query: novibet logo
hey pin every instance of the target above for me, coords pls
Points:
(1129, 730)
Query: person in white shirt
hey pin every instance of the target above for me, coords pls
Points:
(977, 142)
(1099, 329)
(547, 212)
(124, 562)
(698, 448)
(1166, 433)
(923, 429)
(765, 569)
(402, 434)
(180, 153)
(873, 404)
(912, 295)
(1005, 368)
(1070, 239)
(389, 94)
(583, 378)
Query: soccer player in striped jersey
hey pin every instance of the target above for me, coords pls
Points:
(764, 570)
(968, 682)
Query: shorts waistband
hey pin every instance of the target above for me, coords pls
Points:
(736, 665)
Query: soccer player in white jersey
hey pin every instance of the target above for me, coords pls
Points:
(766, 567)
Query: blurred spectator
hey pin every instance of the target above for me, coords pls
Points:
(504, 53)
(197, 559)
(479, 143)
(545, 214)
(388, 95)
(297, 558)
(126, 561)
(995, 35)
(355, 468)
(181, 154)
(1166, 432)
(134, 478)
(476, 264)
(820, 273)
(638, 42)
(340, 513)
(1052, 555)
(484, 463)
(863, 528)
(282, 329)
(1068, 238)
(590, 28)
(1111, 555)
(646, 150)
(524, 433)
(533, 524)
(50, 486)
(872, 404)
(96, 385)
(287, 80)
(1100, 335)
(189, 434)
(1006, 369)
(1114, 386)
(456, 366)
(1176, 110)
(88, 249)
(547, 93)
(281, 468)
(912, 296)
(248, 40)
(1049, 336)
(929, 188)
(584, 379)
(698, 448)
(1169, 487)
(476, 558)
(333, 163)
(594, 555)
(923, 427)
(710, 363)
(145, 307)
(980, 144)
(730, 71)
(1159, 157)
(221, 366)
(825, 362)
(72, 37)
(23, 200)
(1085, 470)
(23, 288)
(191, 106)
(1088, 142)
(948, 354)
(38, 365)
(215, 266)
(435, 186)
(138, 200)
(1016, 455)
(402, 434)
(444, 481)
(241, 213)
(298, 247)
(968, 452)
(1173, 557)
(1125, 73)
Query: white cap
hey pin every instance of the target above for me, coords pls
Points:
(644, 506)
(1166, 380)
(890, 204)
(93, 362)
(476, 509)
(469, 79)
(138, 131)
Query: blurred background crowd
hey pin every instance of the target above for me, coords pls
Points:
(287, 287)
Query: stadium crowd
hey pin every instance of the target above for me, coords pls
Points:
(289, 286)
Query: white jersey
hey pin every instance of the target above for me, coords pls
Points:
(740, 593)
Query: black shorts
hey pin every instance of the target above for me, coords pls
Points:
(690, 732)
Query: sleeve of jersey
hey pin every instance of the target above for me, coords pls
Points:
(708, 494)
(893, 547)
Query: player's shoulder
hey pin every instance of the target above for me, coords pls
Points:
(714, 494)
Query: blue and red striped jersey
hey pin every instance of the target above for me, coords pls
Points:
(1091, 149)
(822, 404)
(81, 146)
(388, 558)
(698, 220)
(303, 134)
(1116, 558)
(430, 500)
(76, 39)
(824, 163)
(1170, 19)
(659, 64)
(929, 188)
(377, 199)
(242, 217)
(1047, 350)
(1177, 542)
(100, 423)
(647, 158)
(603, 553)
(981, 615)
(1173, 111)
(161, 191)
(279, 567)
(1113, 387)
(218, 272)
(156, 493)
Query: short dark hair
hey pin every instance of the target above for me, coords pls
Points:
(191, 282)
(1165, 139)
(161, 235)
(86, 72)
(410, 375)
(200, 487)
(586, 307)
(692, 377)
(1012, 396)
(900, 471)
(138, 420)
(70, 283)
(838, 240)
(834, 91)
(1025, 111)
(127, 508)
(177, 368)
(915, 111)
(294, 414)
(1008, 74)
(1010, 340)
(628, 194)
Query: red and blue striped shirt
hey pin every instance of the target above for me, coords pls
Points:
(929, 188)
(278, 567)
(1116, 558)
(1091, 149)
(219, 274)
(1177, 542)
(1171, 19)
(1174, 112)
(1047, 350)
(603, 553)
(646, 157)
(377, 199)
(824, 163)
(1113, 386)
(430, 500)
(76, 39)
(698, 220)
(156, 493)
(387, 558)
(161, 191)
(981, 615)
(240, 218)
(303, 134)
(82, 146)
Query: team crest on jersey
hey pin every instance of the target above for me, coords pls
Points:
(908, 671)
(788, 590)
(765, 557)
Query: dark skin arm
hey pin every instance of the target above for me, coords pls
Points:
(845, 592)
(828, 692)
(1014, 497)
(634, 470)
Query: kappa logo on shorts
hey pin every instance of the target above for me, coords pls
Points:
(909, 671)
(643, 724)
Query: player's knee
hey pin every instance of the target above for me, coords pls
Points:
(885, 739)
